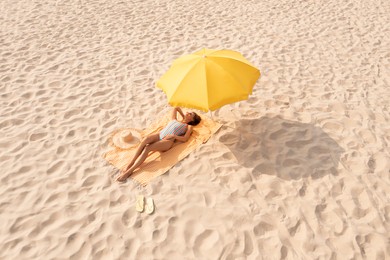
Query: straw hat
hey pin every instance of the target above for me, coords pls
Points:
(126, 138)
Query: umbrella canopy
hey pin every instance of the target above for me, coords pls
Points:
(209, 79)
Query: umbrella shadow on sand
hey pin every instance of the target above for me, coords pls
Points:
(287, 149)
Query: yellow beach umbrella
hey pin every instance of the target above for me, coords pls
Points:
(209, 79)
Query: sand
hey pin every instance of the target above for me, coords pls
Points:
(298, 171)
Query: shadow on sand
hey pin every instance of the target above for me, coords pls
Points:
(287, 149)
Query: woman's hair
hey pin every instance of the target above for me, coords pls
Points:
(196, 119)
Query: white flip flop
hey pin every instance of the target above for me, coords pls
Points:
(140, 203)
(149, 207)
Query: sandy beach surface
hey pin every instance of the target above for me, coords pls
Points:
(301, 170)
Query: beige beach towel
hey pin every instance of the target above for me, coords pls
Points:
(158, 163)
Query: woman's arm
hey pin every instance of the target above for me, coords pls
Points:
(174, 113)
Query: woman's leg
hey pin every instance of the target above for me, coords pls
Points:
(147, 140)
(160, 146)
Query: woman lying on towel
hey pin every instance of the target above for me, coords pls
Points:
(163, 141)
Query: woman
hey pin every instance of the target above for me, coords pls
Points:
(163, 141)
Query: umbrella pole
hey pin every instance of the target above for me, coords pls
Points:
(211, 115)
(212, 118)
(232, 108)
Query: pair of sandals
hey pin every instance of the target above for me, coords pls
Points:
(144, 205)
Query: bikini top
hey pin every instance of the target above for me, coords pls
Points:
(174, 127)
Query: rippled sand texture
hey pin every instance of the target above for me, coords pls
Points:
(299, 171)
